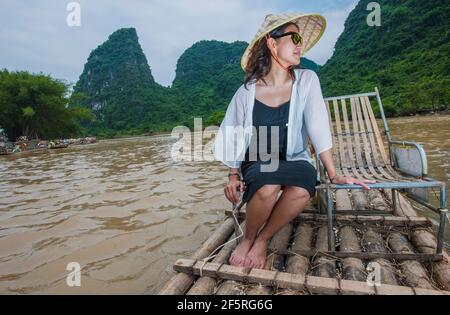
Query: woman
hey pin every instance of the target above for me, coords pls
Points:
(281, 110)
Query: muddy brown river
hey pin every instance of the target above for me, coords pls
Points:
(125, 211)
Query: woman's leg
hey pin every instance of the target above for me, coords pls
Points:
(257, 212)
(292, 201)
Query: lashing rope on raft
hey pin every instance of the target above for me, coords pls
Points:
(212, 255)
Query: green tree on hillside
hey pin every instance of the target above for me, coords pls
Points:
(407, 57)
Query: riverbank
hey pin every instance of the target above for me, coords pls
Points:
(147, 134)
(24, 145)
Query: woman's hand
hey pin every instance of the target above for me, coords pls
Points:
(231, 187)
(339, 179)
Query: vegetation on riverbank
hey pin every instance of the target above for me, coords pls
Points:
(36, 106)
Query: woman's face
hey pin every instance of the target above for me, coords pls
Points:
(286, 50)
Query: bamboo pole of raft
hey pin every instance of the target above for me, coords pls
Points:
(352, 268)
(359, 199)
(373, 242)
(404, 208)
(323, 266)
(205, 285)
(180, 282)
(425, 242)
(415, 274)
(258, 289)
(279, 241)
(342, 200)
(229, 287)
(441, 272)
(377, 200)
(298, 264)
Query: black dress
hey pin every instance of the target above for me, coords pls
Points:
(299, 173)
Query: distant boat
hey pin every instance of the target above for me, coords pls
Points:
(59, 146)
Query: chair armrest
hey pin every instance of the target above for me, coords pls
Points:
(410, 158)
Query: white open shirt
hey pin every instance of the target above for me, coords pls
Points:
(307, 117)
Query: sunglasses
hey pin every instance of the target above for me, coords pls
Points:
(296, 38)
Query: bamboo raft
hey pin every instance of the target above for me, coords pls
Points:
(347, 241)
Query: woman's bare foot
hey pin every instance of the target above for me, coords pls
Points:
(256, 257)
(238, 255)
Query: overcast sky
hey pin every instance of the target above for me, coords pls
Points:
(34, 35)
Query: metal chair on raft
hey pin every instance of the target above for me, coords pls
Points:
(359, 151)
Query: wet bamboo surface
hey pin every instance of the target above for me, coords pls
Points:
(400, 231)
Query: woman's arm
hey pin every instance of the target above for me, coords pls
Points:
(327, 160)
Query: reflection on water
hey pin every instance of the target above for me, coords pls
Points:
(125, 211)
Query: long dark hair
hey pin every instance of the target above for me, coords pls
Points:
(260, 60)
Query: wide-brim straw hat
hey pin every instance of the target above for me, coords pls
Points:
(311, 26)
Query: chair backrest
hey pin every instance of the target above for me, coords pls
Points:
(357, 140)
